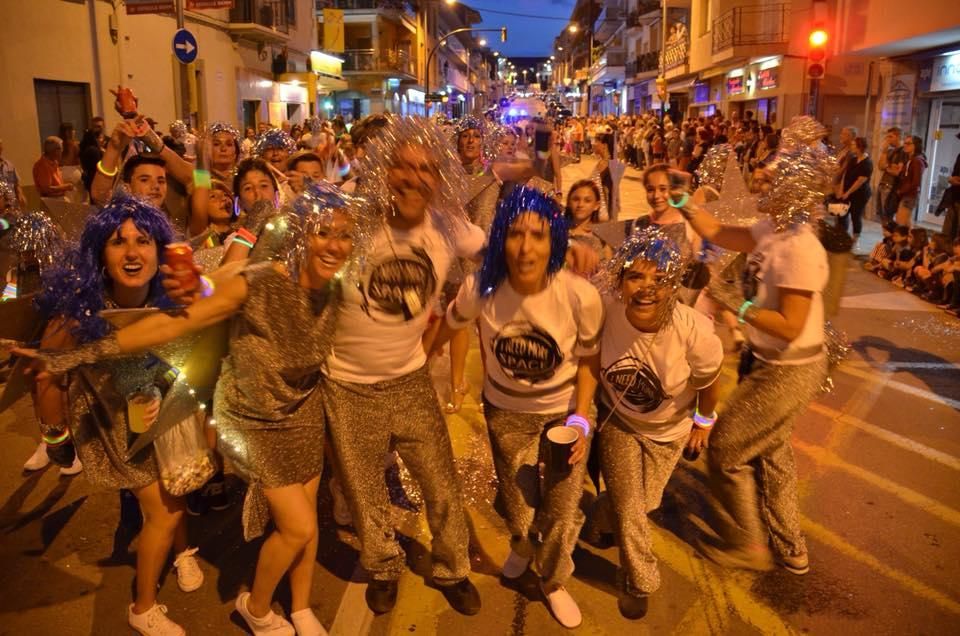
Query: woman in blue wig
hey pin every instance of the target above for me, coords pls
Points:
(115, 266)
(268, 403)
(660, 361)
(540, 329)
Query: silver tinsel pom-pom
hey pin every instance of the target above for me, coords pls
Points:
(36, 232)
(714, 166)
(837, 348)
(274, 138)
(801, 175)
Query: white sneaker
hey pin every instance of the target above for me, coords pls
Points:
(153, 622)
(39, 459)
(269, 625)
(563, 607)
(189, 574)
(341, 511)
(515, 566)
(73, 469)
(306, 623)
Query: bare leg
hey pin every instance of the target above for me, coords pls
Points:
(301, 572)
(295, 516)
(162, 513)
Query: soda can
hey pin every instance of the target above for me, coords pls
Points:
(179, 258)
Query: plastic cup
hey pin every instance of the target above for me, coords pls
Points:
(562, 439)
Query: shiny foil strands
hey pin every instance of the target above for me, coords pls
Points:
(837, 347)
(222, 126)
(8, 195)
(178, 129)
(713, 168)
(447, 200)
(801, 174)
(35, 232)
(274, 138)
(650, 243)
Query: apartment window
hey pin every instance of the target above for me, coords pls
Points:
(706, 16)
(59, 103)
(292, 12)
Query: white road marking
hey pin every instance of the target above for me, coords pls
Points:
(888, 301)
(903, 387)
(888, 436)
(353, 617)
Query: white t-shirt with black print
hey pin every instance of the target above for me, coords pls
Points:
(380, 330)
(657, 374)
(533, 344)
(791, 259)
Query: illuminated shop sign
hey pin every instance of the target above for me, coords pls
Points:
(946, 73)
(767, 78)
(735, 85)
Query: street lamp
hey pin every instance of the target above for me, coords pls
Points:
(482, 42)
(573, 28)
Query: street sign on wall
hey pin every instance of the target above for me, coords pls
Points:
(136, 7)
(200, 5)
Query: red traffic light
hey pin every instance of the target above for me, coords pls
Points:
(818, 38)
(816, 70)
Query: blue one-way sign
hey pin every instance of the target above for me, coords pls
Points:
(184, 46)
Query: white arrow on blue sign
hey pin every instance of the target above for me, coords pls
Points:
(184, 46)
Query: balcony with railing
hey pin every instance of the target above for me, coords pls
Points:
(751, 26)
(677, 50)
(261, 20)
(609, 20)
(370, 61)
(643, 64)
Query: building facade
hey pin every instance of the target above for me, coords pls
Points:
(243, 57)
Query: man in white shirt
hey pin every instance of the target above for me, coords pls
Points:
(379, 395)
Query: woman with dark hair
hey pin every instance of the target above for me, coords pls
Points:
(115, 266)
(603, 176)
(539, 326)
(268, 399)
(854, 187)
(909, 188)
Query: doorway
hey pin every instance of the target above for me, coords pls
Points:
(59, 103)
(942, 148)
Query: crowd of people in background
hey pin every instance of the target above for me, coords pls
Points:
(329, 368)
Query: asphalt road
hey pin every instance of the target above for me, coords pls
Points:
(879, 459)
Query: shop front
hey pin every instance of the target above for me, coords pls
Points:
(938, 122)
(706, 96)
(770, 88)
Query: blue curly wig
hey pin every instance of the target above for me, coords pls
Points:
(75, 290)
(522, 199)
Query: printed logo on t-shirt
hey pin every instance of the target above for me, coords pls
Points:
(751, 275)
(639, 384)
(526, 352)
(399, 288)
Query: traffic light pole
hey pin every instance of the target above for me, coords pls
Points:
(813, 103)
(440, 42)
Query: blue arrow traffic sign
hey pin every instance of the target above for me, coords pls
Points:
(184, 46)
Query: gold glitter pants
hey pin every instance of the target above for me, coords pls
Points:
(636, 470)
(544, 524)
(752, 471)
(365, 421)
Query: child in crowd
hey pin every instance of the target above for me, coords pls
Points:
(583, 210)
(898, 253)
(949, 272)
(882, 249)
(904, 266)
(921, 280)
